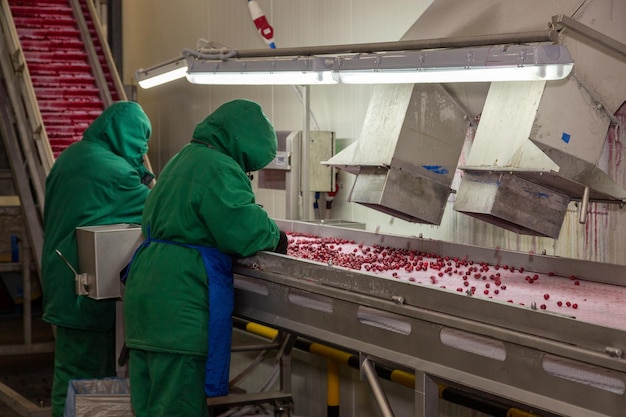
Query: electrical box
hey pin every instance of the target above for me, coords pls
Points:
(103, 252)
(298, 168)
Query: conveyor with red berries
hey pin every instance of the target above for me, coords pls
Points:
(63, 78)
(537, 330)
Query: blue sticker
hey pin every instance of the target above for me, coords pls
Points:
(437, 169)
(565, 137)
(537, 194)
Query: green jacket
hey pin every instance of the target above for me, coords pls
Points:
(203, 197)
(95, 181)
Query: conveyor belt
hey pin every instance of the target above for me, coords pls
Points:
(547, 360)
(62, 75)
(588, 301)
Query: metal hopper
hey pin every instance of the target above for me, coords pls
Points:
(406, 156)
(539, 145)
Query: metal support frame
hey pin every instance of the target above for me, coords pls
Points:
(451, 42)
(590, 33)
(281, 398)
(368, 370)
(426, 396)
(306, 137)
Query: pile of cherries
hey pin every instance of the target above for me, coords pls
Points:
(461, 274)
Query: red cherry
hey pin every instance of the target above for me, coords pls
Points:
(546, 296)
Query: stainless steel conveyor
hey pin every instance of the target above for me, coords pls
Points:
(552, 363)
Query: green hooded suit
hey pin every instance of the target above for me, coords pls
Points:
(95, 181)
(203, 199)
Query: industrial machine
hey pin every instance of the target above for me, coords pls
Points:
(548, 362)
(538, 146)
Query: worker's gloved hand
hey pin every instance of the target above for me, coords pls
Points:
(283, 242)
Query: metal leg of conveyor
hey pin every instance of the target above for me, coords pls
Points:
(281, 400)
(368, 369)
(282, 407)
(284, 358)
(426, 396)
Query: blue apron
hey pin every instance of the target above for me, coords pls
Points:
(218, 268)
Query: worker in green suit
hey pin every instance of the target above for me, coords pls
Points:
(98, 180)
(179, 292)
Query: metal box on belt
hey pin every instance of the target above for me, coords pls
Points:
(103, 251)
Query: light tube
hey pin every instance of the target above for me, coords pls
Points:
(162, 73)
(475, 64)
(487, 64)
(272, 71)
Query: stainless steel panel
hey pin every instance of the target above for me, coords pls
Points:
(338, 223)
(511, 202)
(321, 147)
(285, 172)
(400, 194)
(406, 156)
(103, 251)
(520, 377)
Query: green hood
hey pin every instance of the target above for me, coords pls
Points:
(240, 130)
(124, 129)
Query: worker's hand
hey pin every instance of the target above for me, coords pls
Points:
(283, 243)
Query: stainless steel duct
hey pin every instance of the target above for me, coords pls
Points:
(407, 153)
(539, 145)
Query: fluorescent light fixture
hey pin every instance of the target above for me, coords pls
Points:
(261, 71)
(162, 73)
(472, 64)
(480, 64)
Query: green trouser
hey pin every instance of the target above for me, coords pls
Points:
(80, 354)
(167, 384)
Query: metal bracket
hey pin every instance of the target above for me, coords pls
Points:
(82, 283)
(594, 35)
